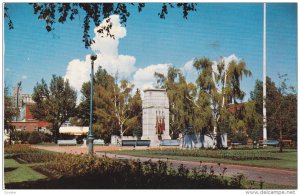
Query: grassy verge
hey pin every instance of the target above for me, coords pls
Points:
(15, 172)
(285, 160)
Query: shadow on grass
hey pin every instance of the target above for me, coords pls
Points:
(10, 169)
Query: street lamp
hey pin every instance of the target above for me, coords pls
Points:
(90, 137)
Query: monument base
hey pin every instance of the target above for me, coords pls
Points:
(154, 139)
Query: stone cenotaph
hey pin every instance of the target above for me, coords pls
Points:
(155, 116)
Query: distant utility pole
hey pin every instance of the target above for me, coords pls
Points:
(264, 80)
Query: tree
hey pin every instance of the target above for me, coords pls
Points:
(182, 112)
(54, 104)
(135, 114)
(217, 87)
(53, 13)
(285, 105)
(10, 111)
(115, 110)
(281, 105)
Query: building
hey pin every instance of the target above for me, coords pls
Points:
(27, 122)
(19, 99)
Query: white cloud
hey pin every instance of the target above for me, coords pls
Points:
(189, 71)
(24, 77)
(106, 49)
(144, 77)
(226, 60)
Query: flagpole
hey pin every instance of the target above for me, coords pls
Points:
(264, 79)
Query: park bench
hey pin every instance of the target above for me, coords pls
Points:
(269, 142)
(135, 143)
(129, 143)
(99, 142)
(143, 143)
(66, 142)
(287, 142)
(169, 142)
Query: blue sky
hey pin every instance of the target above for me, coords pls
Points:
(148, 43)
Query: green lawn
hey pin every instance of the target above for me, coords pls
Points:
(285, 160)
(15, 172)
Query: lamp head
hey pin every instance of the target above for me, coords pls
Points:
(93, 57)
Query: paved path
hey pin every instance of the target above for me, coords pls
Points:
(268, 175)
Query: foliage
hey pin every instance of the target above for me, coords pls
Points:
(94, 13)
(29, 154)
(218, 88)
(19, 148)
(115, 111)
(21, 136)
(133, 174)
(54, 104)
(182, 112)
(204, 104)
(10, 111)
(34, 138)
(281, 106)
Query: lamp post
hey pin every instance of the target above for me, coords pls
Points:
(90, 138)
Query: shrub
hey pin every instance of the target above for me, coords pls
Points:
(80, 138)
(19, 148)
(21, 136)
(34, 138)
(66, 136)
(45, 137)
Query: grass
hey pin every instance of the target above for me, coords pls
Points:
(285, 160)
(16, 172)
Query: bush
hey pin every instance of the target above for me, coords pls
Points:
(21, 136)
(45, 137)
(19, 148)
(34, 138)
(66, 136)
(80, 138)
